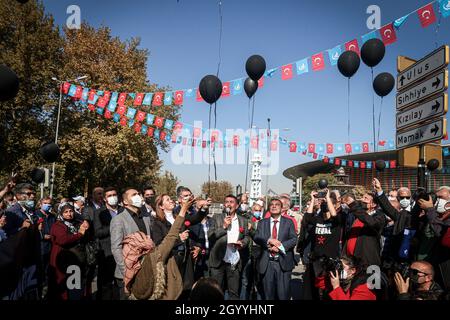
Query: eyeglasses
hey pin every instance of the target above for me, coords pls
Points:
(29, 193)
(415, 272)
(404, 197)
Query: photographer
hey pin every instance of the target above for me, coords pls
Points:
(349, 282)
(405, 225)
(421, 277)
(363, 238)
(326, 228)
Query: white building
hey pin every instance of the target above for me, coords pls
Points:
(256, 185)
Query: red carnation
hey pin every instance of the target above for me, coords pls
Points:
(187, 223)
(241, 230)
(254, 219)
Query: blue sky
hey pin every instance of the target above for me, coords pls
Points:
(182, 38)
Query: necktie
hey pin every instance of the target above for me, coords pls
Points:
(274, 232)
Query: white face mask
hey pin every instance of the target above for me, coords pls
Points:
(343, 274)
(244, 207)
(136, 201)
(440, 206)
(404, 203)
(112, 201)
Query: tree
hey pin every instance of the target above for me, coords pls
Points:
(217, 190)
(311, 183)
(167, 184)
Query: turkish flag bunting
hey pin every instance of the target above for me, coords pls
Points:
(203, 144)
(137, 127)
(318, 62)
(101, 102)
(197, 132)
(337, 161)
(362, 164)
(107, 95)
(214, 136)
(426, 15)
(150, 131)
(178, 126)
(122, 98)
(326, 160)
(393, 164)
(174, 137)
(261, 82)
(163, 135)
(121, 110)
(159, 122)
(352, 46)
(293, 146)
(108, 114)
(286, 72)
(311, 147)
(314, 155)
(350, 163)
(348, 148)
(198, 95)
(158, 99)
(254, 143)
(388, 35)
(123, 121)
(138, 100)
(91, 107)
(274, 145)
(179, 98)
(65, 87)
(330, 148)
(226, 89)
(365, 147)
(140, 116)
(91, 95)
(78, 92)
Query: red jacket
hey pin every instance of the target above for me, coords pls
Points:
(361, 292)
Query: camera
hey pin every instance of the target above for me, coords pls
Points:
(403, 269)
(332, 264)
(321, 194)
(421, 193)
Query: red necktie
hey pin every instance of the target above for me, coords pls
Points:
(274, 233)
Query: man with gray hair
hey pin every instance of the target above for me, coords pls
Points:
(21, 215)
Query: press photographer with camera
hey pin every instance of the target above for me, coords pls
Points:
(362, 240)
(419, 283)
(326, 229)
(349, 281)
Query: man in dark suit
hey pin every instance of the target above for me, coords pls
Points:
(277, 238)
(106, 262)
(228, 234)
(21, 215)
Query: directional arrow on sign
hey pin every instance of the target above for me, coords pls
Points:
(423, 112)
(433, 85)
(432, 131)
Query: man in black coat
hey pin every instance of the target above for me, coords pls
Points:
(106, 262)
(277, 238)
(363, 238)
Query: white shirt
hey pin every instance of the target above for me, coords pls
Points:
(232, 254)
(205, 230)
(169, 217)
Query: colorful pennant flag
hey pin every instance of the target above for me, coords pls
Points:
(131, 113)
(388, 35)
(318, 62)
(158, 99)
(226, 89)
(140, 116)
(444, 8)
(292, 147)
(311, 147)
(122, 99)
(138, 100)
(330, 148)
(168, 98)
(426, 15)
(302, 66)
(261, 82)
(400, 21)
(150, 118)
(286, 73)
(334, 54)
(237, 86)
(368, 36)
(352, 46)
(178, 100)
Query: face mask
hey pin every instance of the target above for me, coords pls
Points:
(404, 203)
(149, 200)
(440, 206)
(244, 207)
(257, 214)
(112, 201)
(136, 201)
(343, 275)
(46, 207)
(28, 204)
(9, 205)
(77, 207)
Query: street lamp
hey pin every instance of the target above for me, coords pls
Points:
(57, 121)
(238, 189)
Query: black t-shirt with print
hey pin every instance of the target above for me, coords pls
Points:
(326, 237)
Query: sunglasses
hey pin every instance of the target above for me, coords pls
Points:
(404, 197)
(29, 193)
(416, 272)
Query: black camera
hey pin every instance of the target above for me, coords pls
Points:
(421, 193)
(332, 264)
(403, 269)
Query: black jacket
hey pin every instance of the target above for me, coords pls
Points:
(368, 245)
(102, 221)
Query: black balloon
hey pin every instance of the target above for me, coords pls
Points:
(38, 175)
(255, 67)
(9, 83)
(372, 52)
(50, 151)
(22, 1)
(348, 63)
(433, 164)
(250, 87)
(210, 88)
(380, 165)
(383, 84)
(323, 183)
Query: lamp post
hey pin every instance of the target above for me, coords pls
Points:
(60, 82)
(238, 189)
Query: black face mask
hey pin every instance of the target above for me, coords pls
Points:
(150, 200)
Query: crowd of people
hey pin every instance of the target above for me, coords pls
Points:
(140, 245)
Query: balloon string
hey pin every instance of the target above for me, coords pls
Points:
(248, 148)
(214, 146)
(220, 37)
(209, 153)
(379, 119)
(348, 110)
(373, 116)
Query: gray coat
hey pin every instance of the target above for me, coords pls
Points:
(121, 226)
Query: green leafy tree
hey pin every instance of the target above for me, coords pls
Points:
(217, 190)
(167, 184)
(311, 183)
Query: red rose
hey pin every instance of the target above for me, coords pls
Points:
(254, 219)
(187, 223)
(241, 230)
